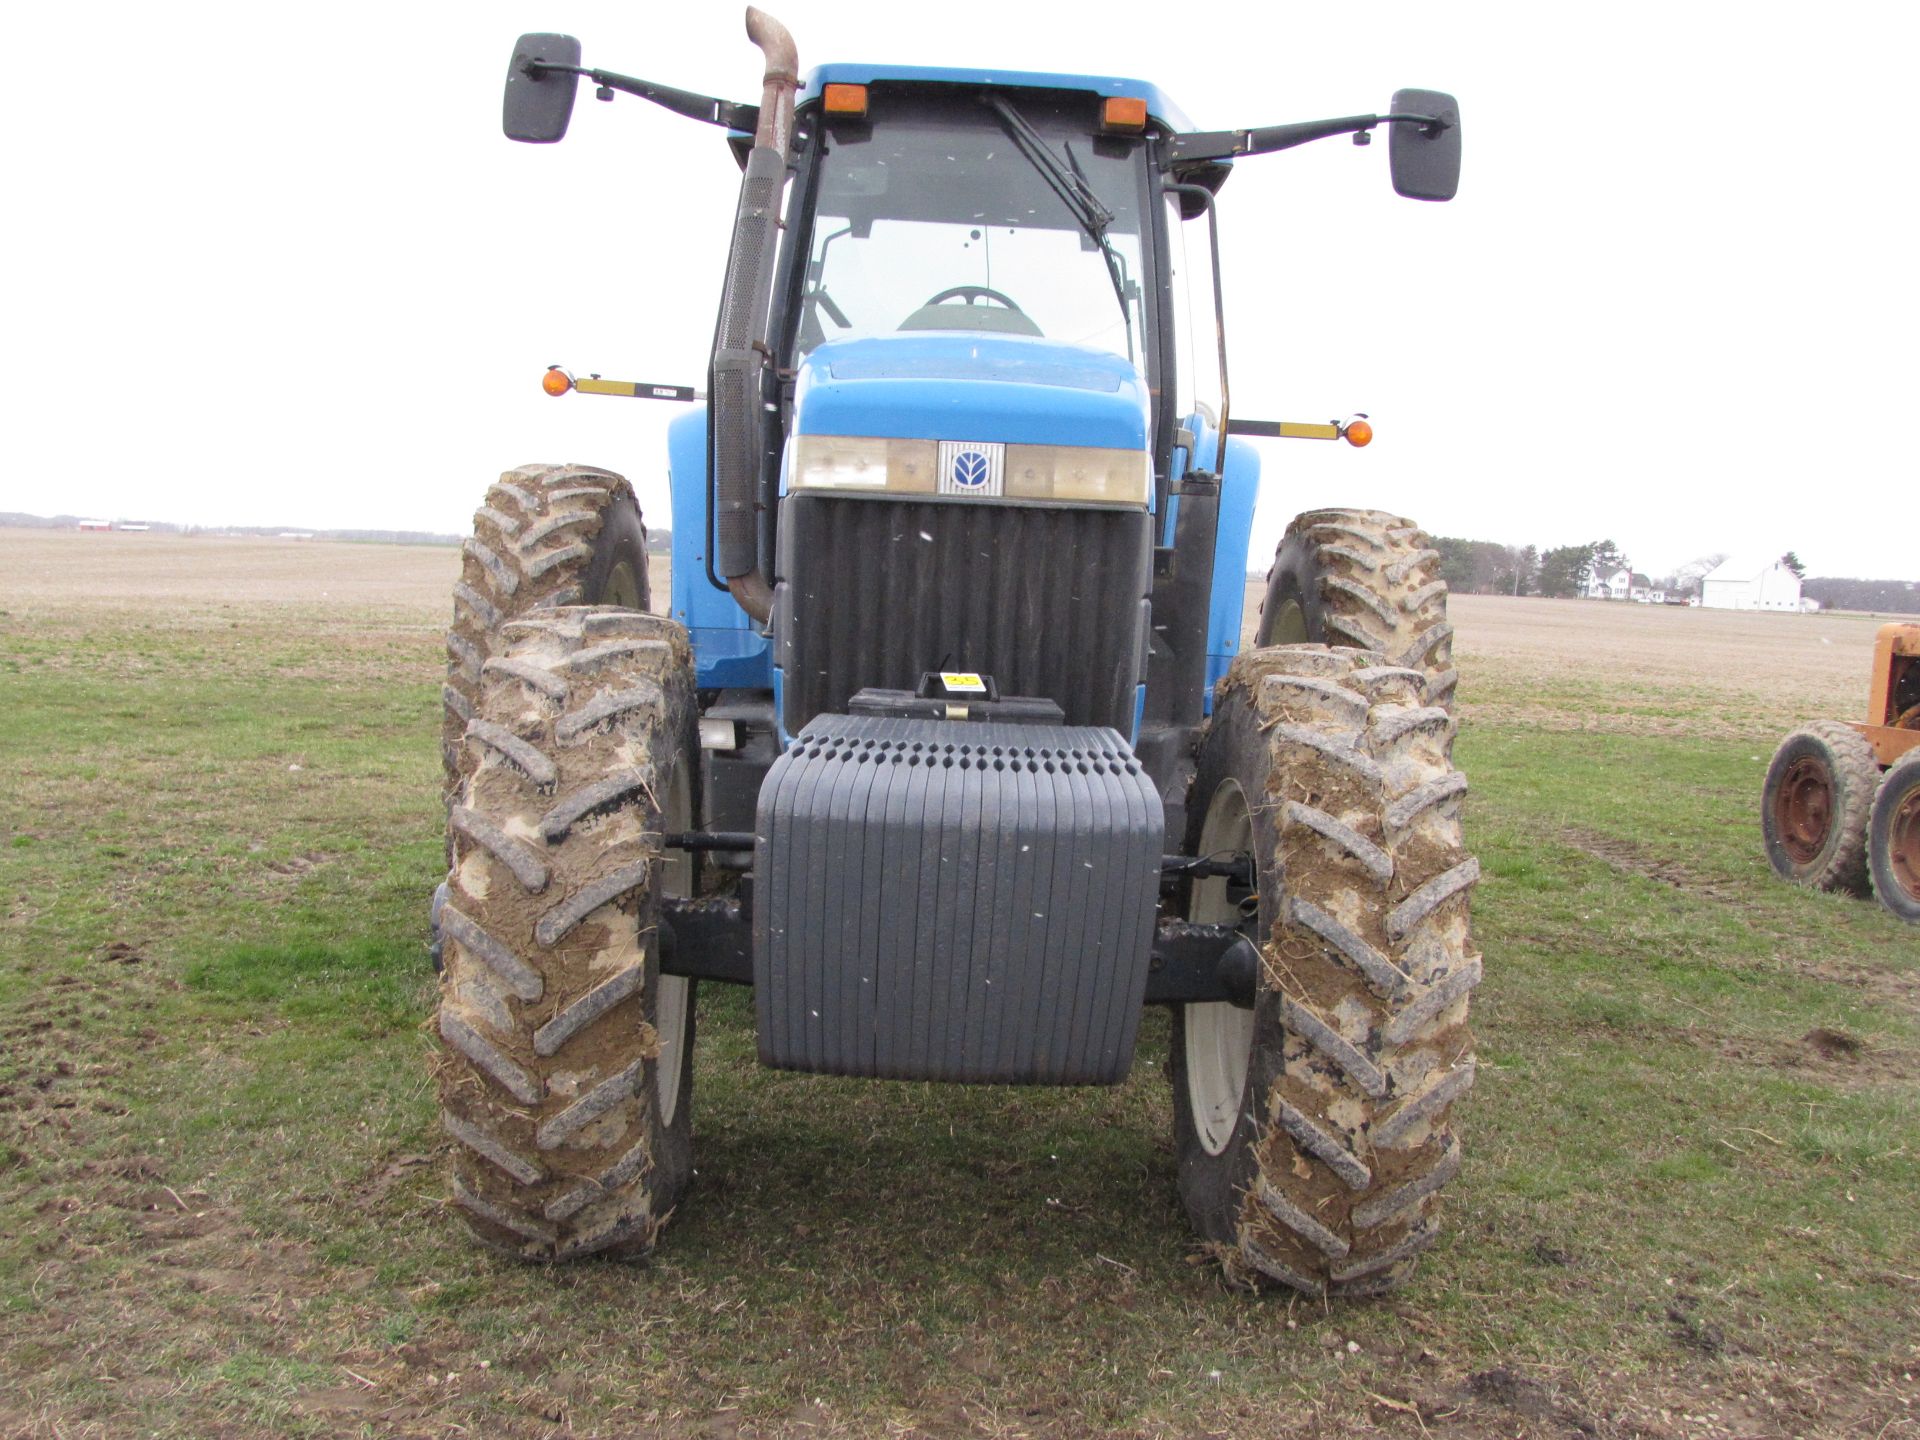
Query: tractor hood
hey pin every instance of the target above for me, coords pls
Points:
(963, 385)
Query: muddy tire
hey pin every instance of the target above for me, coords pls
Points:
(1893, 838)
(547, 535)
(1366, 579)
(1813, 807)
(1314, 1132)
(565, 1074)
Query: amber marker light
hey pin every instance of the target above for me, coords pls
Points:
(1356, 432)
(556, 381)
(845, 99)
(1124, 112)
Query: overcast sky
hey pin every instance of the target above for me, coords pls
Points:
(276, 264)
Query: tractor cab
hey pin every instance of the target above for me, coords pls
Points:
(973, 208)
(967, 318)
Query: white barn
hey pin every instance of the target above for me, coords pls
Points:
(1746, 583)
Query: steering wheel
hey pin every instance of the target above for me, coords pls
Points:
(970, 293)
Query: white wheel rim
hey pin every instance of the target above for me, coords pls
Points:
(670, 1002)
(1219, 1036)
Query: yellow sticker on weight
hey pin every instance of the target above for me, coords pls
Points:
(962, 682)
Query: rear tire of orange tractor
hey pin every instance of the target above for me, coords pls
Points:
(1813, 807)
(1893, 838)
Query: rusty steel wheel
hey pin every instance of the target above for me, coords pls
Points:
(1893, 839)
(1803, 809)
(1813, 809)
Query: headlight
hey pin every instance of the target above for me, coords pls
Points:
(1057, 474)
(860, 462)
(1079, 474)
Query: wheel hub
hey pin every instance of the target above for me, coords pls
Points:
(1289, 624)
(1219, 1036)
(622, 587)
(670, 1003)
(1903, 844)
(1803, 809)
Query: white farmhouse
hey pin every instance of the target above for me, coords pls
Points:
(1746, 583)
(1615, 585)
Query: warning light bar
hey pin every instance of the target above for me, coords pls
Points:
(557, 382)
(1356, 430)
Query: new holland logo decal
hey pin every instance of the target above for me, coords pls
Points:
(972, 467)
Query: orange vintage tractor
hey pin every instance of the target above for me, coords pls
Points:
(1842, 801)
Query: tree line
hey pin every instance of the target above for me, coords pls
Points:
(1484, 567)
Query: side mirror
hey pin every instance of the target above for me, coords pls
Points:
(539, 103)
(1425, 162)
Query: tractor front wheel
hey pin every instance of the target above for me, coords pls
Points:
(565, 1070)
(1314, 1130)
(1813, 807)
(1893, 838)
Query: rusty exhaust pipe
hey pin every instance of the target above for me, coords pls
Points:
(740, 346)
(775, 129)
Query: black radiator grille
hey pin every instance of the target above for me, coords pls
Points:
(1049, 602)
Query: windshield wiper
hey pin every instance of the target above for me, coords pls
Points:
(1070, 184)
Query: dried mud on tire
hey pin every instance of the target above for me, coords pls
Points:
(537, 541)
(547, 1014)
(1366, 579)
(1360, 1040)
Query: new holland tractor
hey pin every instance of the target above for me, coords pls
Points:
(943, 741)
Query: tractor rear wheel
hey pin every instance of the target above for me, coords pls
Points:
(1314, 1130)
(547, 535)
(1813, 807)
(566, 1068)
(1367, 579)
(1893, 838)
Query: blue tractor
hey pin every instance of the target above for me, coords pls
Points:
(945, 743)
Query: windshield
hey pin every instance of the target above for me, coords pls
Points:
(929, 217)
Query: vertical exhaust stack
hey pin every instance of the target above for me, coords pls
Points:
(740, 345)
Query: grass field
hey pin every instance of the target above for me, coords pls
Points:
(1690, 1206)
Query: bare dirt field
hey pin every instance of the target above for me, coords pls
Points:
(191, 575)
(1562, 664)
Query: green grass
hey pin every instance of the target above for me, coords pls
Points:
(220, 1183)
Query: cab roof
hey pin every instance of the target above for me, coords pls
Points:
(1159, 106)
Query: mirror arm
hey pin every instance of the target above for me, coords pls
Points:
(1224, 144)
(705, 108)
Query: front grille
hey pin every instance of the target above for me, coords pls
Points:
(873, 592)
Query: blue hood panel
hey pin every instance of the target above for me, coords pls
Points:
(955, 385)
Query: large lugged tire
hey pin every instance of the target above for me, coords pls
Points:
(1366, 579)
(1314, 1132)
(1813, 807)
(566, 1073)
(547, 535)
(1893, 838)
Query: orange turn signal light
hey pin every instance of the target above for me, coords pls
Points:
(556, 381)
(1356, 432)
(1124, 112)
(845, 99)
